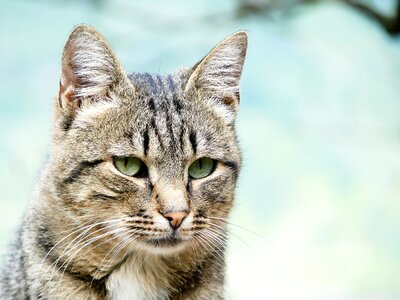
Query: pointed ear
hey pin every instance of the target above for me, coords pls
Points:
(89, 69)
(216, 77)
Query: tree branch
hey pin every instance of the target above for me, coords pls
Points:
(391, 25)
(261, 7)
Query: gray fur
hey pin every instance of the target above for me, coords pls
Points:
(167, 122)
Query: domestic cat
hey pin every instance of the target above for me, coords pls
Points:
(133, 201)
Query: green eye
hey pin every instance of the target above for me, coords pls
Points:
(130, 166)
(201, 168)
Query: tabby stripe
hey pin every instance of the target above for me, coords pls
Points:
(233, 166)
(140, 213)
(193, 278)
(77, 172)
(142, 222)
(199, 214)
(177, 104)
(103, 197)
(111, 188)
(163, 106)
(199, 222)
(151, 81)
(66, 123)
(160, 82)
(96, 284)
(193, 141)
(146, 229)
(171, 83)
(181, 136)
(146, 141)
(150, 186)
(152, 106)
(153, 125)
(44, 239)
(169, 126)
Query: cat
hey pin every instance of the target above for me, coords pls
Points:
(133, 200)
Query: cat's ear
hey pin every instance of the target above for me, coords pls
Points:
(216, 77)
(90, 69)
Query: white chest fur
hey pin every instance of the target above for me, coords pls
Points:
(138, 279)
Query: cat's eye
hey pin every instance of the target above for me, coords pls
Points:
(130, 166)
(201, 168)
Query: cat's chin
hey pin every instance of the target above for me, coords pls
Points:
(164, 245)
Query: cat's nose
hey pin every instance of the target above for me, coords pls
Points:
(175, 218)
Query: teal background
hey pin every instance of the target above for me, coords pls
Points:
(318, 202)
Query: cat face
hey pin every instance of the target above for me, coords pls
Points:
(152, 160)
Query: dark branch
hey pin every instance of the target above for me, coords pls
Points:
(259, 7)
(264, 7)
(391, 25)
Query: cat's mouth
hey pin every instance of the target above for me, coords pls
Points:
(170, 241)
(166, 244)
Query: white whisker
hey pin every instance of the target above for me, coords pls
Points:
(83, 227)
(91, 241)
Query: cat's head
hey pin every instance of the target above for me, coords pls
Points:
(152, 160)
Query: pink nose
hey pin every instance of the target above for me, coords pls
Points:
(175, 218)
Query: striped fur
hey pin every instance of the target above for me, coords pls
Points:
(91, 232)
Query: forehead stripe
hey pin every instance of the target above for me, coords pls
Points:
(193, 141)
(152, 106)
(150, 81)
(146, 141)
(157, 134)
(171, 83)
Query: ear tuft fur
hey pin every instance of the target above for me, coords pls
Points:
(89, 66)
(216, 78)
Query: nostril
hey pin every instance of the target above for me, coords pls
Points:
(175, 218)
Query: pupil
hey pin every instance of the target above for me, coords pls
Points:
(201, 163)
(125, 161)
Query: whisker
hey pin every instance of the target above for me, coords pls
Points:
(105, 257)
(238, 237)
(243, 228)
(87, 227)
(80, 241)
(91, 241)
(241, 240)
(121, 244)
(80, 237)
(121, 247)
(210, 247)
(217, 236)
(80, 226)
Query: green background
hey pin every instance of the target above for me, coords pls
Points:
(319, 194)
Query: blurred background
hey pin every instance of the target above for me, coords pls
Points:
(318, 205)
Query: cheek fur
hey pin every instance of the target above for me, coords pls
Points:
(217, 189)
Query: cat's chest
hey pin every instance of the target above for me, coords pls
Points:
(136, 281)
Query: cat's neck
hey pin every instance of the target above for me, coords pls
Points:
(150, 276)
(140, 276)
